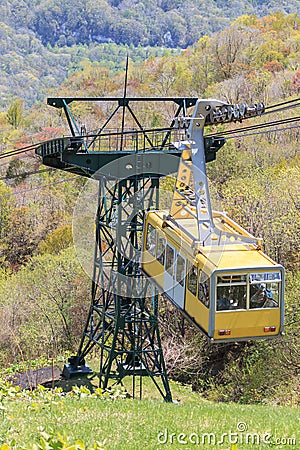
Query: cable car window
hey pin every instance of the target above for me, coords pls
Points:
(192, 280)
(180, 270)
(255, 290)
(151, 240)
(232, 279)
(266, 294)
(170, 260)
(231, 292)
(203, 292)
(161, 246)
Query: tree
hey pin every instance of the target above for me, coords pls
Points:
(6, 207)
(227, 50)
(42, 307)
(296, 82)
(20, 239)
(17, 170)
(15, 113)
(57, 240)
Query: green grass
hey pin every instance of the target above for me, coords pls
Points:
(148, 424)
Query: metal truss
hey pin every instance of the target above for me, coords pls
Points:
(123, 316)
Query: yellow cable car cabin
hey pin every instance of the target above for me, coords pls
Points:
(231, 290)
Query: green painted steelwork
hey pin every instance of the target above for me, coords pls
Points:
(67, 154)
(58, 102)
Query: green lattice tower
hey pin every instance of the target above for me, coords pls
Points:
(123, 316)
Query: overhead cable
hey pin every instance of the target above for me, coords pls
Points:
(263, 132)
(255, 127)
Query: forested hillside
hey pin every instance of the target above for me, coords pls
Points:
(175, 23)
(43, 291)
(28, 69)
(42, 42)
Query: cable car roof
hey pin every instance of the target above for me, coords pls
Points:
(224, 253)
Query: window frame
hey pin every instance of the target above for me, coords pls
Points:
(181, 280)
(160, 256)
(148, 233)
(195, 268)
(248, 283)
(200, 283)
(172, 266)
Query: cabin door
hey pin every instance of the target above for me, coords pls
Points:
(169, 275)
(179, 282)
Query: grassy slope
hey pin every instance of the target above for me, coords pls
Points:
(134, 424)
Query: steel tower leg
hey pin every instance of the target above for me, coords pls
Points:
(123, 316)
